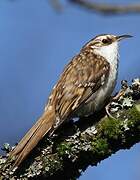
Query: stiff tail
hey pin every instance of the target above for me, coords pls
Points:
(33, 136)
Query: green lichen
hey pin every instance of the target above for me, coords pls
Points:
(64, 148)
(99, 146)
(110, 128)
(134, 117)
(137, 107)
(52, 163)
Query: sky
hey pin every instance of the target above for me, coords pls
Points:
(36, 42)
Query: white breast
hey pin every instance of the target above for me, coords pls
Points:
(97, 100)
(110, 53)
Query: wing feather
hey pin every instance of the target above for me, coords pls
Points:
(80, 79)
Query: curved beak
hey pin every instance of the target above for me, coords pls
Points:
(119, 38)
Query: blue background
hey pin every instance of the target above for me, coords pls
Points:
(36, 42)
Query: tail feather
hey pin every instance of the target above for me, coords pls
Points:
(27, 136)
(31, 139)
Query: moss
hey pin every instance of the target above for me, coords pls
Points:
(64, 148)
(137, 107)
(134, 117)
(110, 128)
(100, 146)
(52, 164)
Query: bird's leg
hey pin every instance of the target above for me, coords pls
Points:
(107, 109)
(116, 98)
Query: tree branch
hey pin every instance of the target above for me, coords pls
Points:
(107, 8)
(79, 144)
(56, 5)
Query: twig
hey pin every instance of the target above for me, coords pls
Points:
(108, 8)
(56, 5)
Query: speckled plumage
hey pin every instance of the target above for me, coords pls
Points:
(80, 79)
(83, 87)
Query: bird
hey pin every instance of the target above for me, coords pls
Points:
(82, 89)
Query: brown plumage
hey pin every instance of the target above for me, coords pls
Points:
(81, 79)
(33, 136)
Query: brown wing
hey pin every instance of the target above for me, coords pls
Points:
(80, 79)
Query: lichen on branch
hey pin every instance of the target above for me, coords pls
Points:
(78, 144)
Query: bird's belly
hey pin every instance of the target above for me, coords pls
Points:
(97, 100)
(102, 95)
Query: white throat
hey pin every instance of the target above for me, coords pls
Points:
(110, 52)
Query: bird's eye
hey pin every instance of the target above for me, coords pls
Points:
(105, 41)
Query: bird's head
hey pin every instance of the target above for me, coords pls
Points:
(105, 40)
(105, 45)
